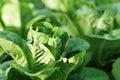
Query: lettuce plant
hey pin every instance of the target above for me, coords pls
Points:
(48, 53)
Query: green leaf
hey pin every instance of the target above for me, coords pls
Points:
(78, 60)
(25, 13)
(3, 69)
(65, 66)
(106, 2)
(88, 57)
(4, 57)
(116, 70)
(102, 49)
(12, 44)
(79, 45)
(26, 73)
(90, 73)
(14, 74)
(62, 42)
(113, 35)
(62, 72)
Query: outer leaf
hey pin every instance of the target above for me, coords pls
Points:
(3, 69)
(12, 44)
(90, 74)
(79, 45)
(116, 70)
(113, 35)
(14, 74)
(62, 72)
(28, 74)
(25, 9)
(65, 67)
(4, 57)
(61, 45)
(102, 49)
